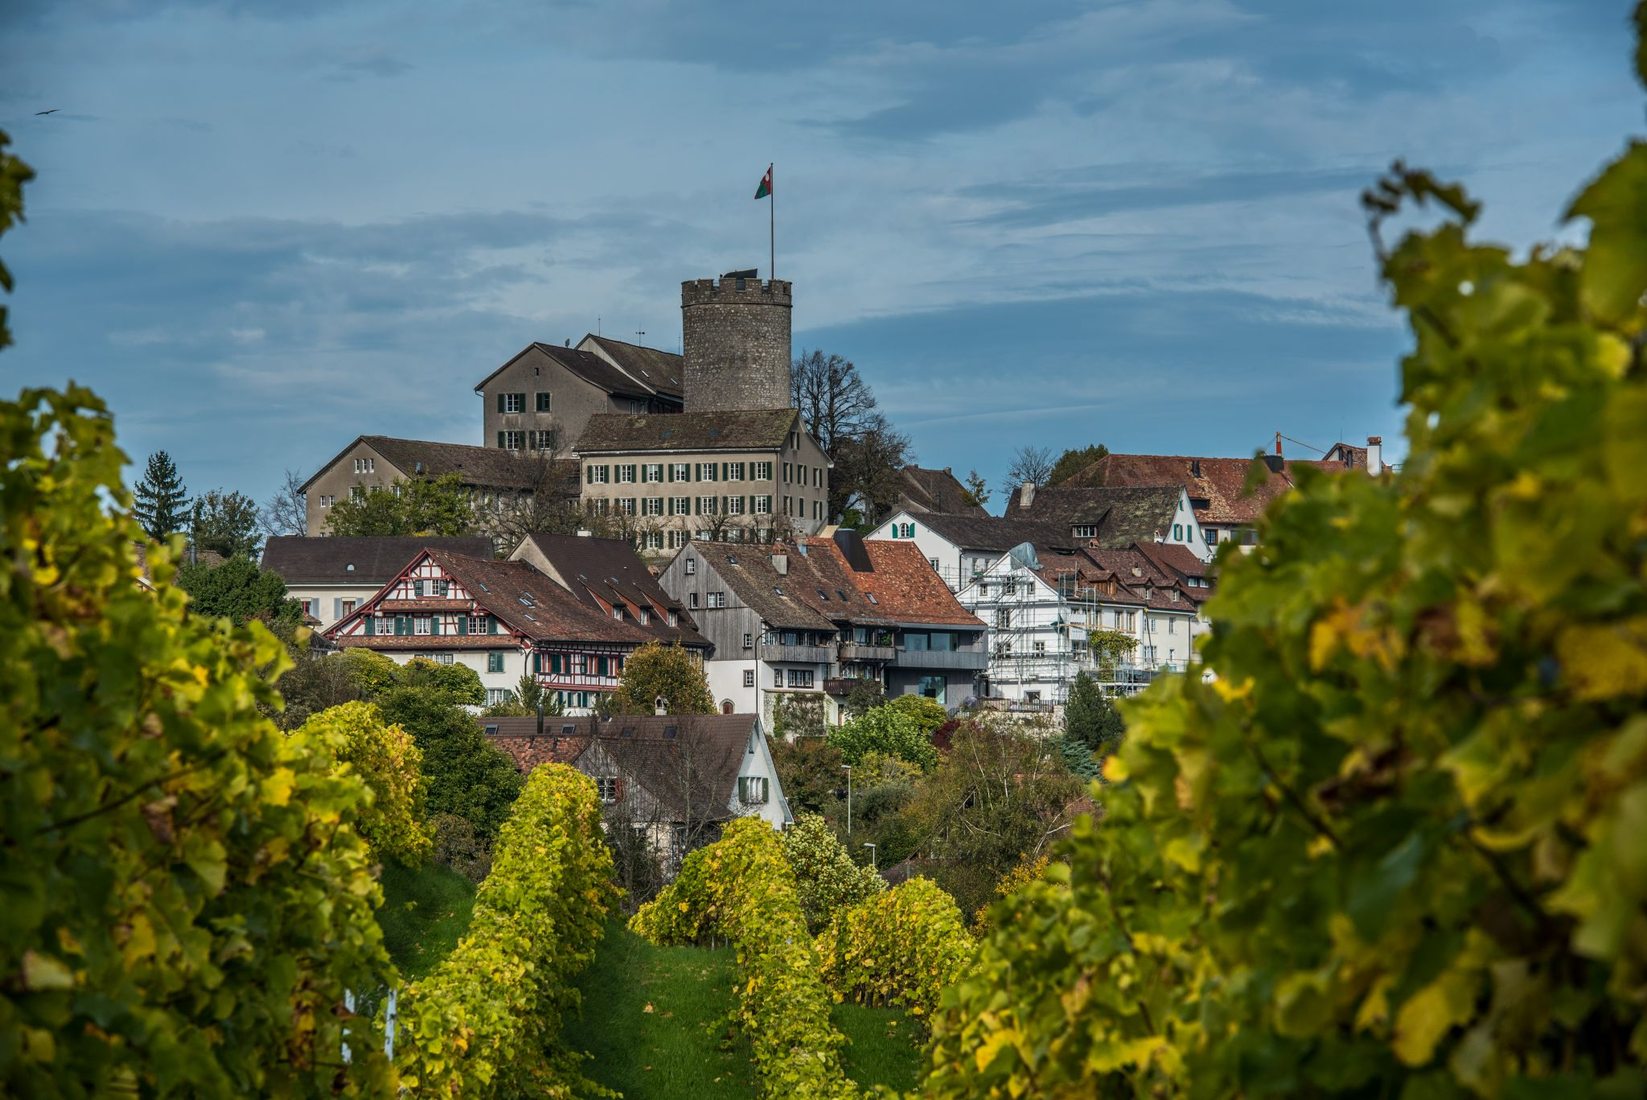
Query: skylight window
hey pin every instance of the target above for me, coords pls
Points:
(823, 595)
(872, 598)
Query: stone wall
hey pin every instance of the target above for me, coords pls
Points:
(736, 343)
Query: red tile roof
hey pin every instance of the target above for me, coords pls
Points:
(901, 584)
(1216, 486)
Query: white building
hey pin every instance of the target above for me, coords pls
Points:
(1113, 517)
(331, 577)
(961, 546)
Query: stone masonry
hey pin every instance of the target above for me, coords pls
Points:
(735, 340)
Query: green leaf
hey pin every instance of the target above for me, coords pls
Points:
(1615, 265)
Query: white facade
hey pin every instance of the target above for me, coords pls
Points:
(330, 603)
(957, 565)
(758, 765)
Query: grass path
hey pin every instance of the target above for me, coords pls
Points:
(425, 911)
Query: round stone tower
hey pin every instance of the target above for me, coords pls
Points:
(735, 342)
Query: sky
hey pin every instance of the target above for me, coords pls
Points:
(260, 229)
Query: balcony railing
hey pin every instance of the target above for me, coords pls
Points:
(862, 651)
(964, 659)
(797, 654)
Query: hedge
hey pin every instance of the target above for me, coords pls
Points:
(487, 1021)
(901, 947)
(741, 888)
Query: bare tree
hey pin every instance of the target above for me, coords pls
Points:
(1031, 464)
(840, 410)
(977, 489)
(867, 471)
(287, 511)
(546, 503)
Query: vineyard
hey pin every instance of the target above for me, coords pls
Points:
(1395, 845)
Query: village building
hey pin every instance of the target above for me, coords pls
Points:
(676, 779)
(543, 397)
(495, 478)
(961, 546)
(507, 619)
(1115, 516)
(330, 577)
(923, 490)
(804, 622)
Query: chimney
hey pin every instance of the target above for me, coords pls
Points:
(780, 564)
(1375, 455)
(1277, 444)
(1026, 494)
(1195, 467)
(660, 706)
(584, 533)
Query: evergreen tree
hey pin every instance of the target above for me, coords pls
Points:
(160, 499)
(1090, 718)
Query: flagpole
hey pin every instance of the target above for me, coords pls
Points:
(772, 225)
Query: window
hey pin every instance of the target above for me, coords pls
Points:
(365, 465)
(626, 506)
(680, 506)
(753, 789)
(345, 607)
(800, 677)
(596, 475)
(494, 661)
(748, 677)
(777, 677)
(749, 641)
(716, 599)
(1084, 531)
(543, 401)
(1032, 697)
(511, 402)
(690, 566)
(692, 600)
(1212, 536)
(420, 624)
(609, 787)
(903, 530)
(326, 501)
(706, 505)
(626, 474)
(443, 658)
(934, 562)
(761, 506)
(652, 540)
(541, 439)
(652, 506)
(761, 471)
(707, 471)
(1178, 531)
(677, 539)
(652, 471)
(495, 696)
(1003, 618)
(1040, 648)
(734, 506)
(733, 471)
(817, 477)
(357, 492)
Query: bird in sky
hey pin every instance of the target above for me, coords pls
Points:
(53, 111)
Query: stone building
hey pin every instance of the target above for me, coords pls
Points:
(735, 334)
(543, 397)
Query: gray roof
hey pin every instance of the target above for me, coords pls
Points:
(373, 560)
(613, 366)
(776, 597)
(1123, 514)
(692, 773)
(662, 371)
(732, 430)
(478, 467)
(994, 533)
(927, 490)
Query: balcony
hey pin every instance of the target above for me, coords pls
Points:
(968, 660)
(797, 654)
(862, 651)
(843, 685)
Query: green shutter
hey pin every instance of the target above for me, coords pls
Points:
(500, 402)
(371, 621)
(491, 624)
(463, 624)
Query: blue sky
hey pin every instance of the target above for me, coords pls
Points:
(263, 228)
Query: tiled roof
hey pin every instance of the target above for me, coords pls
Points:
(935, 491)
(346, 560)
(733, 430)
(1216, 486)
(996, 533)
(660, 371)
(1174, 559)
(604, 573)
(693, 773)
(904, 586)
(1139, 582)
(478, 467)
(1123, 514)
(789, 599)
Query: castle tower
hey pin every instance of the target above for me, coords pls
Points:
(735, 342)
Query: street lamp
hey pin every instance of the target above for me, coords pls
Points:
(871, 848)
(848, 769)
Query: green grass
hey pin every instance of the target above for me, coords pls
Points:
(883, 1047)
(683, 1049)
(656, 1019)
(425, 911)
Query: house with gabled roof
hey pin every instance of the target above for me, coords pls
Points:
(926, 490)
(507, 619)
(1114, 516)
(331, 577)
(541, 399)
(961, 546)
(380, 462)
(811, 618)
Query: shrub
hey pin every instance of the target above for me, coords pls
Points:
(884, 730)
(457, 845)
(656, 671)
(487, 1021)
(384, 756)
(454, 682)
(826, 879)
(1396, 847)
(1030, 870)
(900, 947)
(927, 714)
(741, 888)
(468, 776)
(185, 896)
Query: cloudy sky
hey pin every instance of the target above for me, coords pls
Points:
(263, 228)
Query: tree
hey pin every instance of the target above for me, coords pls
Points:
(1092, 726)
(864, 696)
(1073, 461)
(161, 500)
(286, 512)
(467, 775)
(420, 506)
(454, 683)
(810, 769)
(927, 714)
(671, 673)
(1032, 465)
(826, 879)
(997, 797)
(1392, 847)
(187, 898)
(224, 523)
(387, 759)
(238, 590)
(977, 489)
(1108, 648)
(548, 503)
(13, 175)
(839, 409)
(884, 730)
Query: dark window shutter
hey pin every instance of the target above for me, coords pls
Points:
(617, 789)
(370, 621)
(500, 402)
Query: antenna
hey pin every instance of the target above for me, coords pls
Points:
(639, 333)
